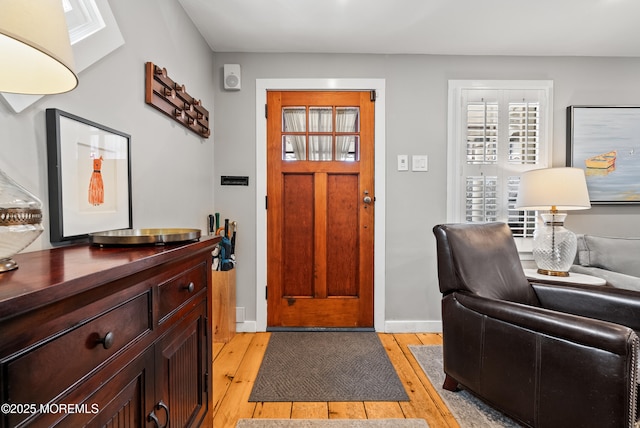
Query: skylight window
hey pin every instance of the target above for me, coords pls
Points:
(83, 19)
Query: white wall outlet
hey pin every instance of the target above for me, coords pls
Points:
(420, 163)
(240, 314)
(403, 162)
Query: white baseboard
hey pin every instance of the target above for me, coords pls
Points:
(246, 327)
(402, 326)
(389, 327)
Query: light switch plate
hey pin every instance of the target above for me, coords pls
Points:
(403, 162)
(420, 163)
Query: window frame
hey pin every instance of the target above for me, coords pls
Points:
(456, 141)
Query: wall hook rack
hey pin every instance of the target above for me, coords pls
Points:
(172, 99)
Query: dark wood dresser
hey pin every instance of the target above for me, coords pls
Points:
(113, 336)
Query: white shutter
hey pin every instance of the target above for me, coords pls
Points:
(524, 151)
(522, 223)
(481, 199)
(482, 132)
(502, 139)
(524, 132)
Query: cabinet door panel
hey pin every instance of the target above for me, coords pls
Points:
(181, 369)
(128, 397)
(122, 401)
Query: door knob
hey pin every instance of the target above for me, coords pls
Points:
(367, 199)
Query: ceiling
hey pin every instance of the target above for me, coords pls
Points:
(450, 27)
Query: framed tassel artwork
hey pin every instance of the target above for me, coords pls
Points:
(89, 169)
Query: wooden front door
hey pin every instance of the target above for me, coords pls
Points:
(320, 209)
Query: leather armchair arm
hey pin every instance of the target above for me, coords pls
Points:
(604, 303)
(595, 333)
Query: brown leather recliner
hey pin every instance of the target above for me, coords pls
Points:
(546, 355)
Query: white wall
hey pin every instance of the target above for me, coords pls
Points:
(172, 168)
(416, 106)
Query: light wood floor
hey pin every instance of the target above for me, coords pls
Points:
(236, 364)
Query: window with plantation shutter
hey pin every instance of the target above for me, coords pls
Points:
(497, 130)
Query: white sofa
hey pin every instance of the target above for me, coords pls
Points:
(616, 260)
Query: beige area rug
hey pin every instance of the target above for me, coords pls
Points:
(332, 423)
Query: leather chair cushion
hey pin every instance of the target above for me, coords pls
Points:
(490, 266)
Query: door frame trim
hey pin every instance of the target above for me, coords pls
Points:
(262, 86)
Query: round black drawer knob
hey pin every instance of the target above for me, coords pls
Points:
(107, 340)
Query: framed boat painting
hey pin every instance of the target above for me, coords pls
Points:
(605, 142)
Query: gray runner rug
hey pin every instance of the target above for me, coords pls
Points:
(326, 366)
(468, 410)
(332, 423)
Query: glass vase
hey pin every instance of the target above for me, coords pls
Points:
(20, 220)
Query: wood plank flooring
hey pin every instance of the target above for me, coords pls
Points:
(236, 365)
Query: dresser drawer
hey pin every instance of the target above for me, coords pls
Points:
(177, 290)
(48, 369)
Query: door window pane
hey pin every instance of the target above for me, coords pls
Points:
(294, 147)
(347, 119)
(347, 148)
(320, 147)
(294, 119)
(320, 119)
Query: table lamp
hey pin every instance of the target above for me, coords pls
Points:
(553, 190)
(36, 58)
(34, 47)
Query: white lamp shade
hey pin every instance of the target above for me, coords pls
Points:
(35, 51)
(562, 188)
